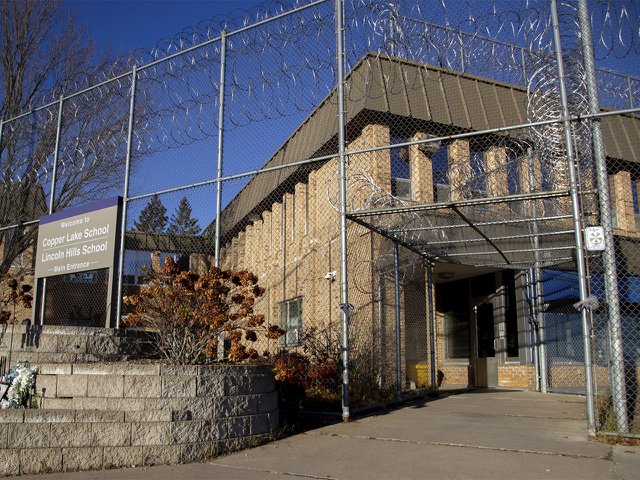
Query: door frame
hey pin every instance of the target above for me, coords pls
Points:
(486, 368)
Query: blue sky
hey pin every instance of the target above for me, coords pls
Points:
(127, 25)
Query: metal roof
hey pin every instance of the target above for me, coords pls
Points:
(395, 87)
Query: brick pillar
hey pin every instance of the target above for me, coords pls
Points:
(530, 185)
(249, 248)
(421, 171)
(459, 168)
(290, 219)
(277, 259)
(276, 226)
(377, 163)
(300, 213)
(622, 201)
(496, 176)
(267, 235)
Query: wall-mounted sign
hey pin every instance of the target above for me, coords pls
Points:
(594, 239)
(78, 239)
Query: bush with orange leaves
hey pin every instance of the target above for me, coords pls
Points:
(189, 313)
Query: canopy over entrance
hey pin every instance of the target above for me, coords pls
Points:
(515, 232)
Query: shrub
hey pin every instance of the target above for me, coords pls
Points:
(190, 313)
(13, 294)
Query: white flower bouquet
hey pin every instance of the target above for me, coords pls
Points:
(21, 380)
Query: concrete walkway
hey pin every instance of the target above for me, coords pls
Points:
(479, 435)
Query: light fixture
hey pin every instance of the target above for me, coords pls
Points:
(446, 275)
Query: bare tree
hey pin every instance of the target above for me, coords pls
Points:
(44, 55)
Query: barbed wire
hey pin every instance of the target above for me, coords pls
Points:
(285, 67)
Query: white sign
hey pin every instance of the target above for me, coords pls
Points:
(78, 239)
(594, 239)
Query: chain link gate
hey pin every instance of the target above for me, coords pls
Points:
(456, 206)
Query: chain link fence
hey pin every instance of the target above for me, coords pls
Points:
(458, 207)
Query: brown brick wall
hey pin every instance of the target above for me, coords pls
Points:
(517, 376)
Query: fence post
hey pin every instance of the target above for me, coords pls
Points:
(125, 199)
(462, 64)
(52, 195)
(54, 172)
(432, 328)
(536, 276)
(380, 331)
(396, 284)
(344, 292)
(608, 255)
(529, 279)
(577, 224)
(524, 67)
(223, 61)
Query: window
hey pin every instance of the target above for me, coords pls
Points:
(457, 336)
(440, 166)
(513, 175)
(478, 174)
(636, 206)
(291, 322)
(400, 170)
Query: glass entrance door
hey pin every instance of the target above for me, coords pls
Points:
(486, 361)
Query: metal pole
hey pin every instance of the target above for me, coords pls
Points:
(432, 328)
(536, 275)
(8, 365)
(223, 61)
(125, 199)
(52, 195)
(392, 22)
(344, 292)
(55, 156)
(524, 67)
(608, 255)
(541, 333)
(396, 282)
(577, 224)
(380, 332)
(462, 65)
(532, 322)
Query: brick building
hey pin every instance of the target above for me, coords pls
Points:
(284, 224)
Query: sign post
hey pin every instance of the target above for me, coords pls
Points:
(78, 240)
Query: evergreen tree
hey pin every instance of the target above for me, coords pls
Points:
(153, 217)
(181, 221)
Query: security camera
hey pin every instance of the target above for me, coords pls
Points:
(330, 275)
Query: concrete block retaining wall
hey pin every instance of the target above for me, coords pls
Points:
(116, 415)
(64, 344)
